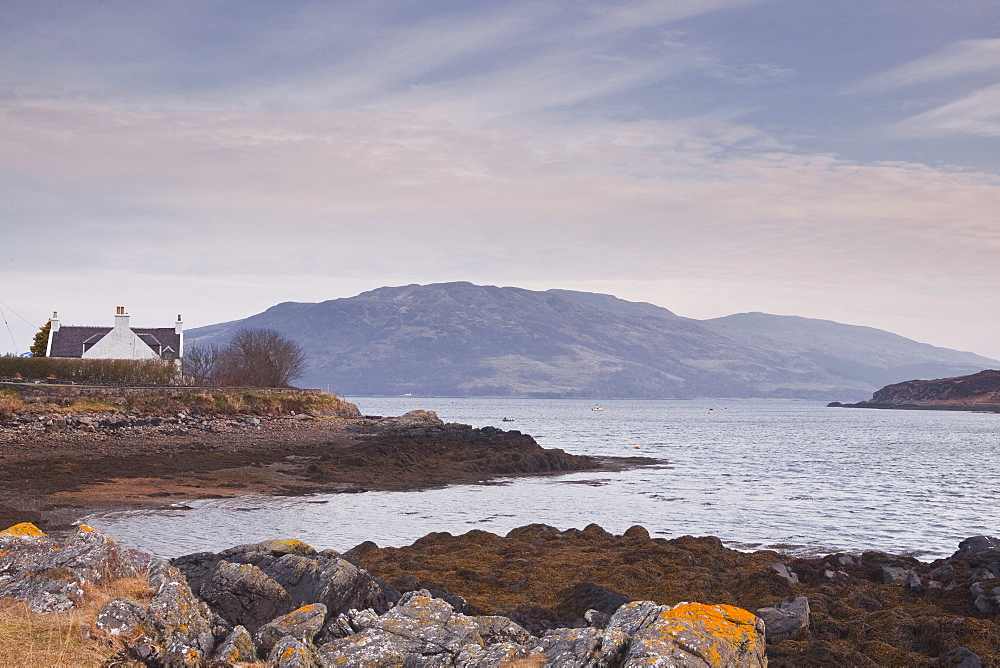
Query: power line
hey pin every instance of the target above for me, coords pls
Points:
(18, 315)
(16, 351)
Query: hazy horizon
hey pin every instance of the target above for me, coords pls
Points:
(826, 160)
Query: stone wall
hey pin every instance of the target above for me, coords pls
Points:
(61, 394)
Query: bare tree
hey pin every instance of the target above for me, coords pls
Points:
(199, 364)
(258, 357)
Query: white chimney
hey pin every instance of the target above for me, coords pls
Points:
(121, 318)
(179, 325)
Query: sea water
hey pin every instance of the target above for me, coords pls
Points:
(794, 476)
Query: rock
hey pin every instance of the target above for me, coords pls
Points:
(290, 573)
(986, 600)
(963, 657)
(291, 653)
(500, 654)
(42, 594)
(419, 628)
(693, 634)
(979, 545)
(597, 619)
(243, 594)
(785, 572)
(302, 624)
(943, 573)
(911, 582)
(891, 573)
(585, 596)
(570, 647)
(238, 646)
(48, 574)
(496, 629)
(791, 615)
(176, 615)
(122, 617)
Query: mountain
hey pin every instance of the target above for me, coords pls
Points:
(460, 339)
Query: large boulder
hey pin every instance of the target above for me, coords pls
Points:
(244, 594)
(252, 584)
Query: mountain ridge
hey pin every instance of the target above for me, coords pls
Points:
(462, 339)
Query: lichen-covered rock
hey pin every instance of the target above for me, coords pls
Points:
(499, 654)
(693, 634)
(291, 653)
(791, 615)
(571, 647)
(42, 594)
(122, 617)
(497, 629)
(238, 646)
(48, 574)
(418, 628)
(243, 594)
(302, 624)
(85, 556)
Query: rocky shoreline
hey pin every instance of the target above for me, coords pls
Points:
(56, 467)
(282, 603)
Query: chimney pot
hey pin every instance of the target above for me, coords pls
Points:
(55, 315)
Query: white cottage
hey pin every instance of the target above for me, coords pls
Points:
(118, 342)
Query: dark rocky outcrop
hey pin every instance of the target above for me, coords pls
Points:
(976, 392)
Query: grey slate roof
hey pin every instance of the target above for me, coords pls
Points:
(69, 340)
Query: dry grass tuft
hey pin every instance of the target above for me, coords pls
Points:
(32, 640)
(10, 403)
(88, 405)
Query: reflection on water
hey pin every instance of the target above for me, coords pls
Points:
(789, 475)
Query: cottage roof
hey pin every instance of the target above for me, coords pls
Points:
(68, 340)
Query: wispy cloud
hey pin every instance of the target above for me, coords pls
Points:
(962, 58)
(975, 114)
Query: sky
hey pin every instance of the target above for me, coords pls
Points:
(833, 160)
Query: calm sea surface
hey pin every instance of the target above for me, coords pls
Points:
(788, 475)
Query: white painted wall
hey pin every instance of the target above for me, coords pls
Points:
(121, 343)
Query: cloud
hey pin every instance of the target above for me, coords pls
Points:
(959, 59)
(975, 114)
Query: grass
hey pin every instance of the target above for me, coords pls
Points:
(61, 640)
(10, 403)
(29, 639)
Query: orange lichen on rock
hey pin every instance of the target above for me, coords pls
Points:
(721, 635)
(23, 530)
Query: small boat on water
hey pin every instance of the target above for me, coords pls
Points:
(597, 408)
(506, 419)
